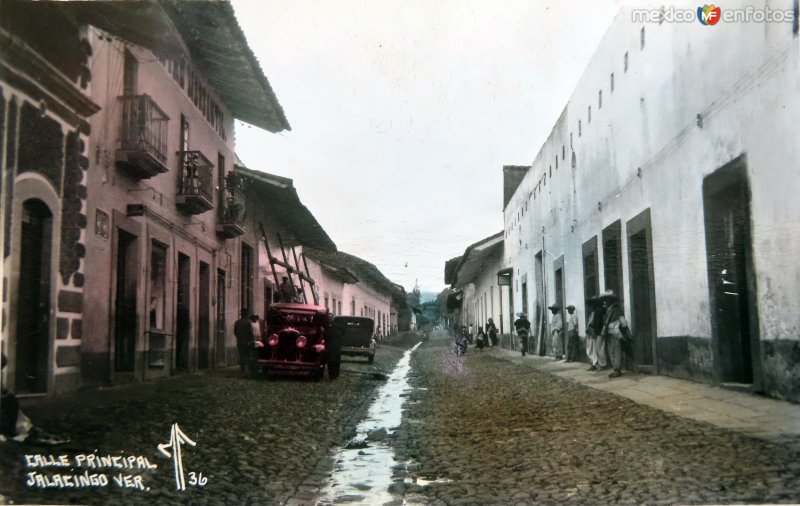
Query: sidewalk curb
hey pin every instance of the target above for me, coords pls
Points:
(769, 419)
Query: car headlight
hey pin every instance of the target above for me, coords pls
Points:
(301, 341)
(273, 340)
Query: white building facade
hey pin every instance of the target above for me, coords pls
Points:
(477, 274)
(670, 178)
(357, 287)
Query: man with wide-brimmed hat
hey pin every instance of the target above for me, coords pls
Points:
(556, 332)
(595, 341)
(615, 327)
(573, 341)
(523, 328)
(287, 290)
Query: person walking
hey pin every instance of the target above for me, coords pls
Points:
(573, 341)
(595, 342)
(460, 347)
(470, 333)
(523, 328)
(491, 330)
(243, 330)
(556, 332)
(480, 339)
(615, 328)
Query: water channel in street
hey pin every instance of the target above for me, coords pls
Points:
(363, 468)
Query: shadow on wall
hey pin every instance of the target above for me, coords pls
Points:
(781, 365)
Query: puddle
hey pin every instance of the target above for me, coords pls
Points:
(364, 468)
(413, 477)
(422, 482)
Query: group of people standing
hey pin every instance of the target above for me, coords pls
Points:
(607, 334)
(557, 331)
(487, 336)
(247, 329)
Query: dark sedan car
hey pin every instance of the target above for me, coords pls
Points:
(355, 335)
(298, 340)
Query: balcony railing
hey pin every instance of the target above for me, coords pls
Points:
(143, 137)
(232, 212)
(194, 193)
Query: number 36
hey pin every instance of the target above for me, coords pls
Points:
(197, 479)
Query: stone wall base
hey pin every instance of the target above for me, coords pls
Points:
(780, 360)
(685, 357)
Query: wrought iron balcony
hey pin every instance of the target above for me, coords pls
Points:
(232, 212)
(194, 194)
(143, 137)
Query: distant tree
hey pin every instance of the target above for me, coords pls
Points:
(413, 298)
(430, 312)
(441, 300)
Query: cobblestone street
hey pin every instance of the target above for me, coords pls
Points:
(258, 441)
(476, 429)
(481, 430)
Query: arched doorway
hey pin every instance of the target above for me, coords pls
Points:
(33, 306)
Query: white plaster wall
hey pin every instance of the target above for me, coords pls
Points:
(743, 79)
(369, 296)
(325, 285)
(484, 288)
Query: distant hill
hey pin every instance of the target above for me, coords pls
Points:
(428, 296)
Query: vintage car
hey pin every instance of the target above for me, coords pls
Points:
(356, 335)
(298, 339)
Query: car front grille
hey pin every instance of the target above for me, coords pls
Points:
(287, 349)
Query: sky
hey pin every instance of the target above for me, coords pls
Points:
(403, 113)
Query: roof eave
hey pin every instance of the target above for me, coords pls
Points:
(468, 251)
(297, 220)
